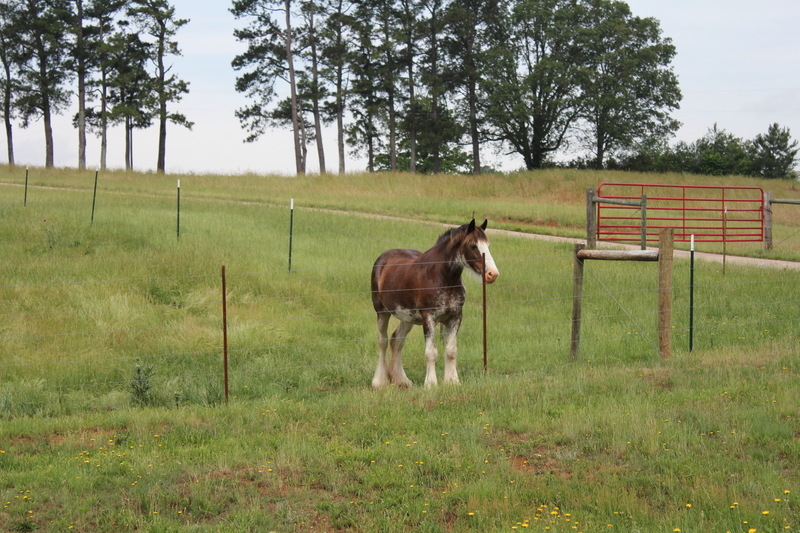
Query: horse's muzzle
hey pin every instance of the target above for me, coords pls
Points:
(490, 276)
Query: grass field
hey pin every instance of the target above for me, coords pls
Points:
(111, 393)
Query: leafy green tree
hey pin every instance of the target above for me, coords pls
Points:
(628, 88)
(408, 30)
(774, 154)
(437, 127)
(157, 19)
(42, 30)
(719, 153)
(532, 78)
(368, 89)
(468, 22)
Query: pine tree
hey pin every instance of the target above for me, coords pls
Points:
(774, 154)
(157, 20)
(42, 31)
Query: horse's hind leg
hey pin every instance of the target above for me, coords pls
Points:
(396, 373)
(381, 377)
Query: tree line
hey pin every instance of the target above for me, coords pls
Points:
(423, 85)
(718, 153)
(113, 54)
(414, 85)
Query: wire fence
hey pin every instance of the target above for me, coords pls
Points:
(290, 335)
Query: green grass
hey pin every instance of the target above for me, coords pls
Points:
(98, 320)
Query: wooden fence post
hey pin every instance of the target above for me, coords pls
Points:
(577, 291)
(665, 245)
(591, 219)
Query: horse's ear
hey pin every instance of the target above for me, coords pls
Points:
(485, 223)
(471, 227)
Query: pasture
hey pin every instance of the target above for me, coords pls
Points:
(111, 391)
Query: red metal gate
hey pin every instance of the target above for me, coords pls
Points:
(711, 214)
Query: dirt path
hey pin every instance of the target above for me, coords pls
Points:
(702, 256)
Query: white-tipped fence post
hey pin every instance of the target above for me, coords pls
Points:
(691, 295)
(291, 230)
(179, 209)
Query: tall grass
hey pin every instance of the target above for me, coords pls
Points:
(547, 201)
(97, 317)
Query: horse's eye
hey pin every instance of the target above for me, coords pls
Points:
(474, 247)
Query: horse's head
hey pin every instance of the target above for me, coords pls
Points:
(473, 247)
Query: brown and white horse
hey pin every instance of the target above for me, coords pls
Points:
(425, 288)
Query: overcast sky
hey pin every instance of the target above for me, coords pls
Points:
(737, 62)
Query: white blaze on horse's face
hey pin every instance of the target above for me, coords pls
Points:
(472, 266)
(491, 273)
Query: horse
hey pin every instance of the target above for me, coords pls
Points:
(425, 288)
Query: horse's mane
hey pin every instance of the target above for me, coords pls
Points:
(449, 234)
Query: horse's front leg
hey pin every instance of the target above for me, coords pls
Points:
(381, 377)
(451, 351)
(431, 354)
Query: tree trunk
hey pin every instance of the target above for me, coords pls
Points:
(103, 124)
(81, 72)
(128, 143)
(412, 133)
(600, 146)
(340, 141)
(340, 117)
(7, 116)
(162, 107)
(435, 88)
(473, 126)
(315, 104)
(49, 160)
(42, 57)
(298, 149)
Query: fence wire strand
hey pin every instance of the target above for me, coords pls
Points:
(528, 294)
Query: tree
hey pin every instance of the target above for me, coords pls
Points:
(269, 58)
(531, 80)
(130, 97)
(334, 57)
(438, 130)
(10, 59)
(100, 39)
(719, 153)
(316, 90)
(409, 30)
(368, 87)
(157, 19)
(627, 88)
(42, 32)
(80, 56)
(467, 22)
(774, 154)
